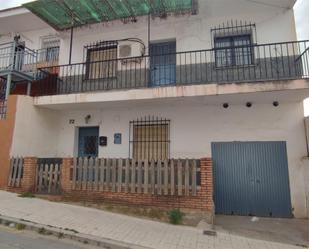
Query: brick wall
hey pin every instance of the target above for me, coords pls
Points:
(202, 201)
(29, 176)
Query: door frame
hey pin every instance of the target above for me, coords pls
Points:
(158, 42)
(77, 133)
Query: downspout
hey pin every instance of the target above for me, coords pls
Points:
(149, 33)
(71, 44)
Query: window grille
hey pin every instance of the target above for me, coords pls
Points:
(101, 60)
(3, 109)
(233, 51)
(2, 89)
(233, 44)
(150, 138)
(49, 49)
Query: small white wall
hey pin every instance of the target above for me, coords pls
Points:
(36, 130)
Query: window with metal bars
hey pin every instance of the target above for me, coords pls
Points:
(150, 139)
(2, 89)
(101, 60)
(50, 49)
(233, 51)
(233, 43)
(3, 109)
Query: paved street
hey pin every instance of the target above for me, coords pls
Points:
(123, 228)
(12, 239)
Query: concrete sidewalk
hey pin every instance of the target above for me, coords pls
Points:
(123, 228)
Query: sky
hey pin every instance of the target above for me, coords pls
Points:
(301, 16)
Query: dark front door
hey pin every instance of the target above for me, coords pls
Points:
(251, 178)
(163, 63)
(88, 142)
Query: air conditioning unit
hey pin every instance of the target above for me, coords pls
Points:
(128, 50)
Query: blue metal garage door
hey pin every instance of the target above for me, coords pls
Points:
(251, 178)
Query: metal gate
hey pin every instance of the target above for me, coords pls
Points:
(48, 176)
(251, 178)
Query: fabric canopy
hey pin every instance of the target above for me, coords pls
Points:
(63, 14)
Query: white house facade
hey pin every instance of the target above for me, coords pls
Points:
(211, 78)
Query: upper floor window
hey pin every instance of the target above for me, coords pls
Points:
(102, 61)
(233, 44)
(233, 51)
(49, 51)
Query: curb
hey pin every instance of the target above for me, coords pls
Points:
(68, 234)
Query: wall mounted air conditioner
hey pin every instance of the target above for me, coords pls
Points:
(128, 50)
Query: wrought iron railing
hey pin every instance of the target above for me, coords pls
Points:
(265, 62)
(17, 58)
(23, 59)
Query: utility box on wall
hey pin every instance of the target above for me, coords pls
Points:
(117, 138)
(103, 141)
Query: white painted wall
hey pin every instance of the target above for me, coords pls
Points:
(32, 39)
(194, 125)
(191, 32)
(36, 130)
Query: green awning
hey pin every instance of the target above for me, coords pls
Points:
(60, 13)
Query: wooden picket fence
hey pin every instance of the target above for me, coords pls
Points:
(167, 177)
(16, 172)
(48, 176)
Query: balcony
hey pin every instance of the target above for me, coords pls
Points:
(242, 64)
(23, 62)
(18, 60)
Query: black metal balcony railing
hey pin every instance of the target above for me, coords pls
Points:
(23, 59)
(17, 58)
(266, 62)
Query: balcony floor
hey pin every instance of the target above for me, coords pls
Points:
(285, 91)
(17, 76)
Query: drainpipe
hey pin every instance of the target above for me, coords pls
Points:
(149, 33)
(71, 44)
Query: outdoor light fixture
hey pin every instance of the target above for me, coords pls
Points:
(225, 105)
(87, 118)
(275, 103)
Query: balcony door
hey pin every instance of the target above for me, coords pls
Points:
(163, 63)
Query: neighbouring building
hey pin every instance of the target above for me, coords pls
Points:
(174, 103)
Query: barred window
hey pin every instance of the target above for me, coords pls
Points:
(233, 50)
(150, 139)
(49, 51)
(102, 60)
(233, 43)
